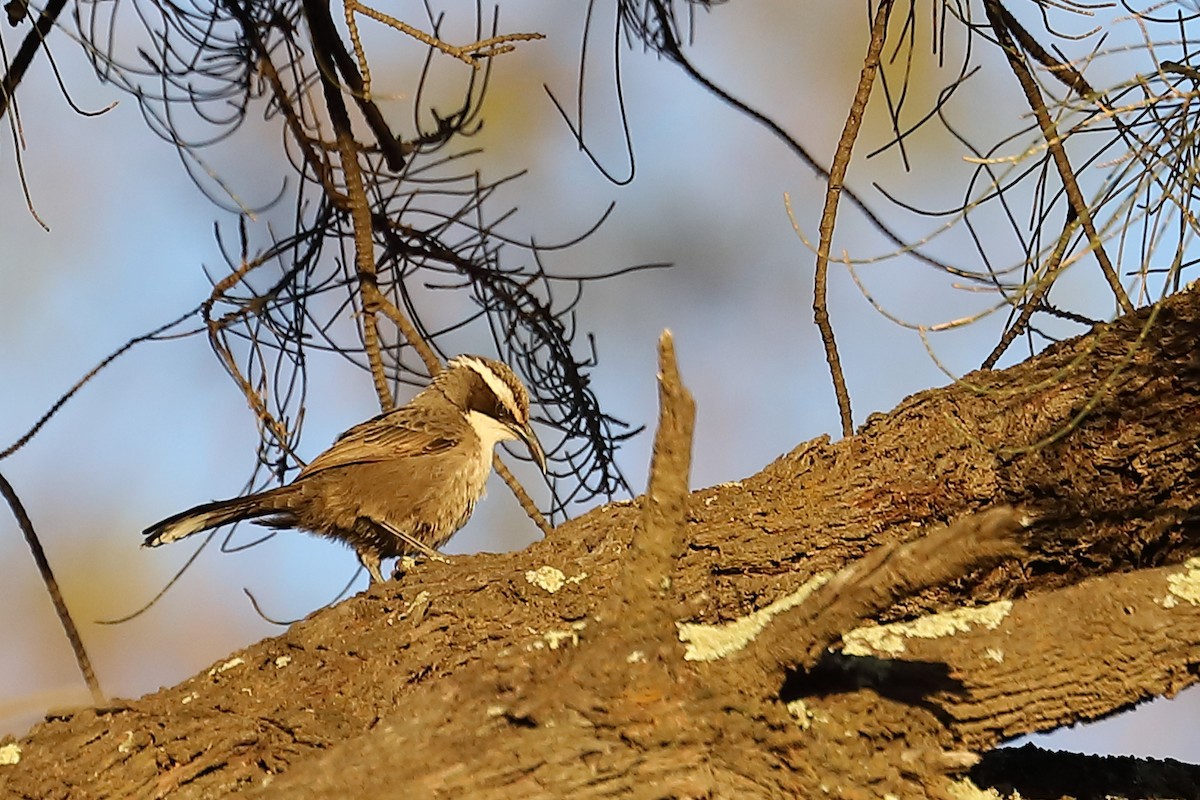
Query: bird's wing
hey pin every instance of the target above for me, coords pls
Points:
(406, 432)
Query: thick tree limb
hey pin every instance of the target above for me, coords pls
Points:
(1110, 642)
(475, 669)
(619, 679)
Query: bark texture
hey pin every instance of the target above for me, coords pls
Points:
(854, 660)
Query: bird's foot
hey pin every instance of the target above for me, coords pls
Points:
(405, 564)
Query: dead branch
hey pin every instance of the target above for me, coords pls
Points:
(494, 675)
(1111, 642)
(60, 605)
(879, 580)
(471, 54)
(833, 193)
(1034, 772)
(637, 600)
(1001, 23)
(325, 46)
(34, 42)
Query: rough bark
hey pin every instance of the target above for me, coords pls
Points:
(555, 671)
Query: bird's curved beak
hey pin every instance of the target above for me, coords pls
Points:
(525, 434)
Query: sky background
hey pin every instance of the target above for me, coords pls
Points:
(164, 428)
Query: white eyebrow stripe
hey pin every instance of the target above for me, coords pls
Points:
(497, 384)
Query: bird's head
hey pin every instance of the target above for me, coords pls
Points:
(493, 398)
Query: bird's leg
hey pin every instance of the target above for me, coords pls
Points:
(411, 541)
(370, 561)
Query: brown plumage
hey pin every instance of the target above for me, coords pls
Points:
(399, 484)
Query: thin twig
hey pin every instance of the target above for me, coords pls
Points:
(1000, 23)
(833, 193)
(468, 53)
(1033, 302)
(60, 605)
(527, 504)
(411, 335)
(364, 263)
(216, 328)
(79, 384)
(34, 41)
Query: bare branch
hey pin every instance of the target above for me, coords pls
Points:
(60, 605)
(886, 575)
(644, 593)
(1001, 24)
(833, 193)
(470, 54)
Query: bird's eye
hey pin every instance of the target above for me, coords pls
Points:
(499, 411)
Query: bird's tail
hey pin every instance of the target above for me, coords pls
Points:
(221, 512)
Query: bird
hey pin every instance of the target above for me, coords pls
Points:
(399, 484)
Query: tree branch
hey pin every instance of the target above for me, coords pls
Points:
(833, 193)
(876, 582)
(499, 673)
(1000, 22)
(60, 605)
